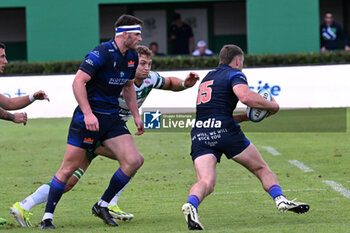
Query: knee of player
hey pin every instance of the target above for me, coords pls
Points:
(141, 160)
(211, 187)
(136, 161)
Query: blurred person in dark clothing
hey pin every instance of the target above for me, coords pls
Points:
(181, 36)
(331, 34)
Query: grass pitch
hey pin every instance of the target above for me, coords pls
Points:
(30, 155)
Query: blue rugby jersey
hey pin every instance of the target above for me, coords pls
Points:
(216, 98)
(109, 71)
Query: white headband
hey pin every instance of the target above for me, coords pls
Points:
(128, 28)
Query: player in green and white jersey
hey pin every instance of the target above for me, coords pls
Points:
(145, 81)
(153, 80)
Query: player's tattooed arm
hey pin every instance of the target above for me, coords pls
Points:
(19, 102)
(20, 117)
(5, 115)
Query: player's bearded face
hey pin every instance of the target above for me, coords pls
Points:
(132, 39)
(144, 67)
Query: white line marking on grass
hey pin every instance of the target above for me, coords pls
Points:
(271, 150)
(300, 165)
(338, 187)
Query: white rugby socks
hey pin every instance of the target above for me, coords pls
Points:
(38, 197)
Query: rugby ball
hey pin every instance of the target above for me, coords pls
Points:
(255, 114)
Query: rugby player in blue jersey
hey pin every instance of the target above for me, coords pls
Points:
(106, 71)
(145, 81)
(219, 92)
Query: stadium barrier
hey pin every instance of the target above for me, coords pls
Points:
(292, 87)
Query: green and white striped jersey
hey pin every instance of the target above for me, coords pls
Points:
(154, 80)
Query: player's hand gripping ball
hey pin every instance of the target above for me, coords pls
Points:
(255, 114)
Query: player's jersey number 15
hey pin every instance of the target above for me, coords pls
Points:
(204, 93)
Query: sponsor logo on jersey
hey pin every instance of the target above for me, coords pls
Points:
(131, 63)
(89, 61)
(147, 82)
(122, 74)
(151, 120)
(88, 141)
(117, 81)
(96, 53)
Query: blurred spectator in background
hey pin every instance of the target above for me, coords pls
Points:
(153, 46)
(202, 49)
(181, 36)
(331, 34)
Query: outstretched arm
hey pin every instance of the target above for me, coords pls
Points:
(176, 84)
(21, 101)
(129, 94)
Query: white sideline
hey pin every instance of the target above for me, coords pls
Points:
(300, 165)
(271, 150)
(338, 187)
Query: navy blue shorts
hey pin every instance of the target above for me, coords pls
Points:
(218, 142)
(110, 126)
